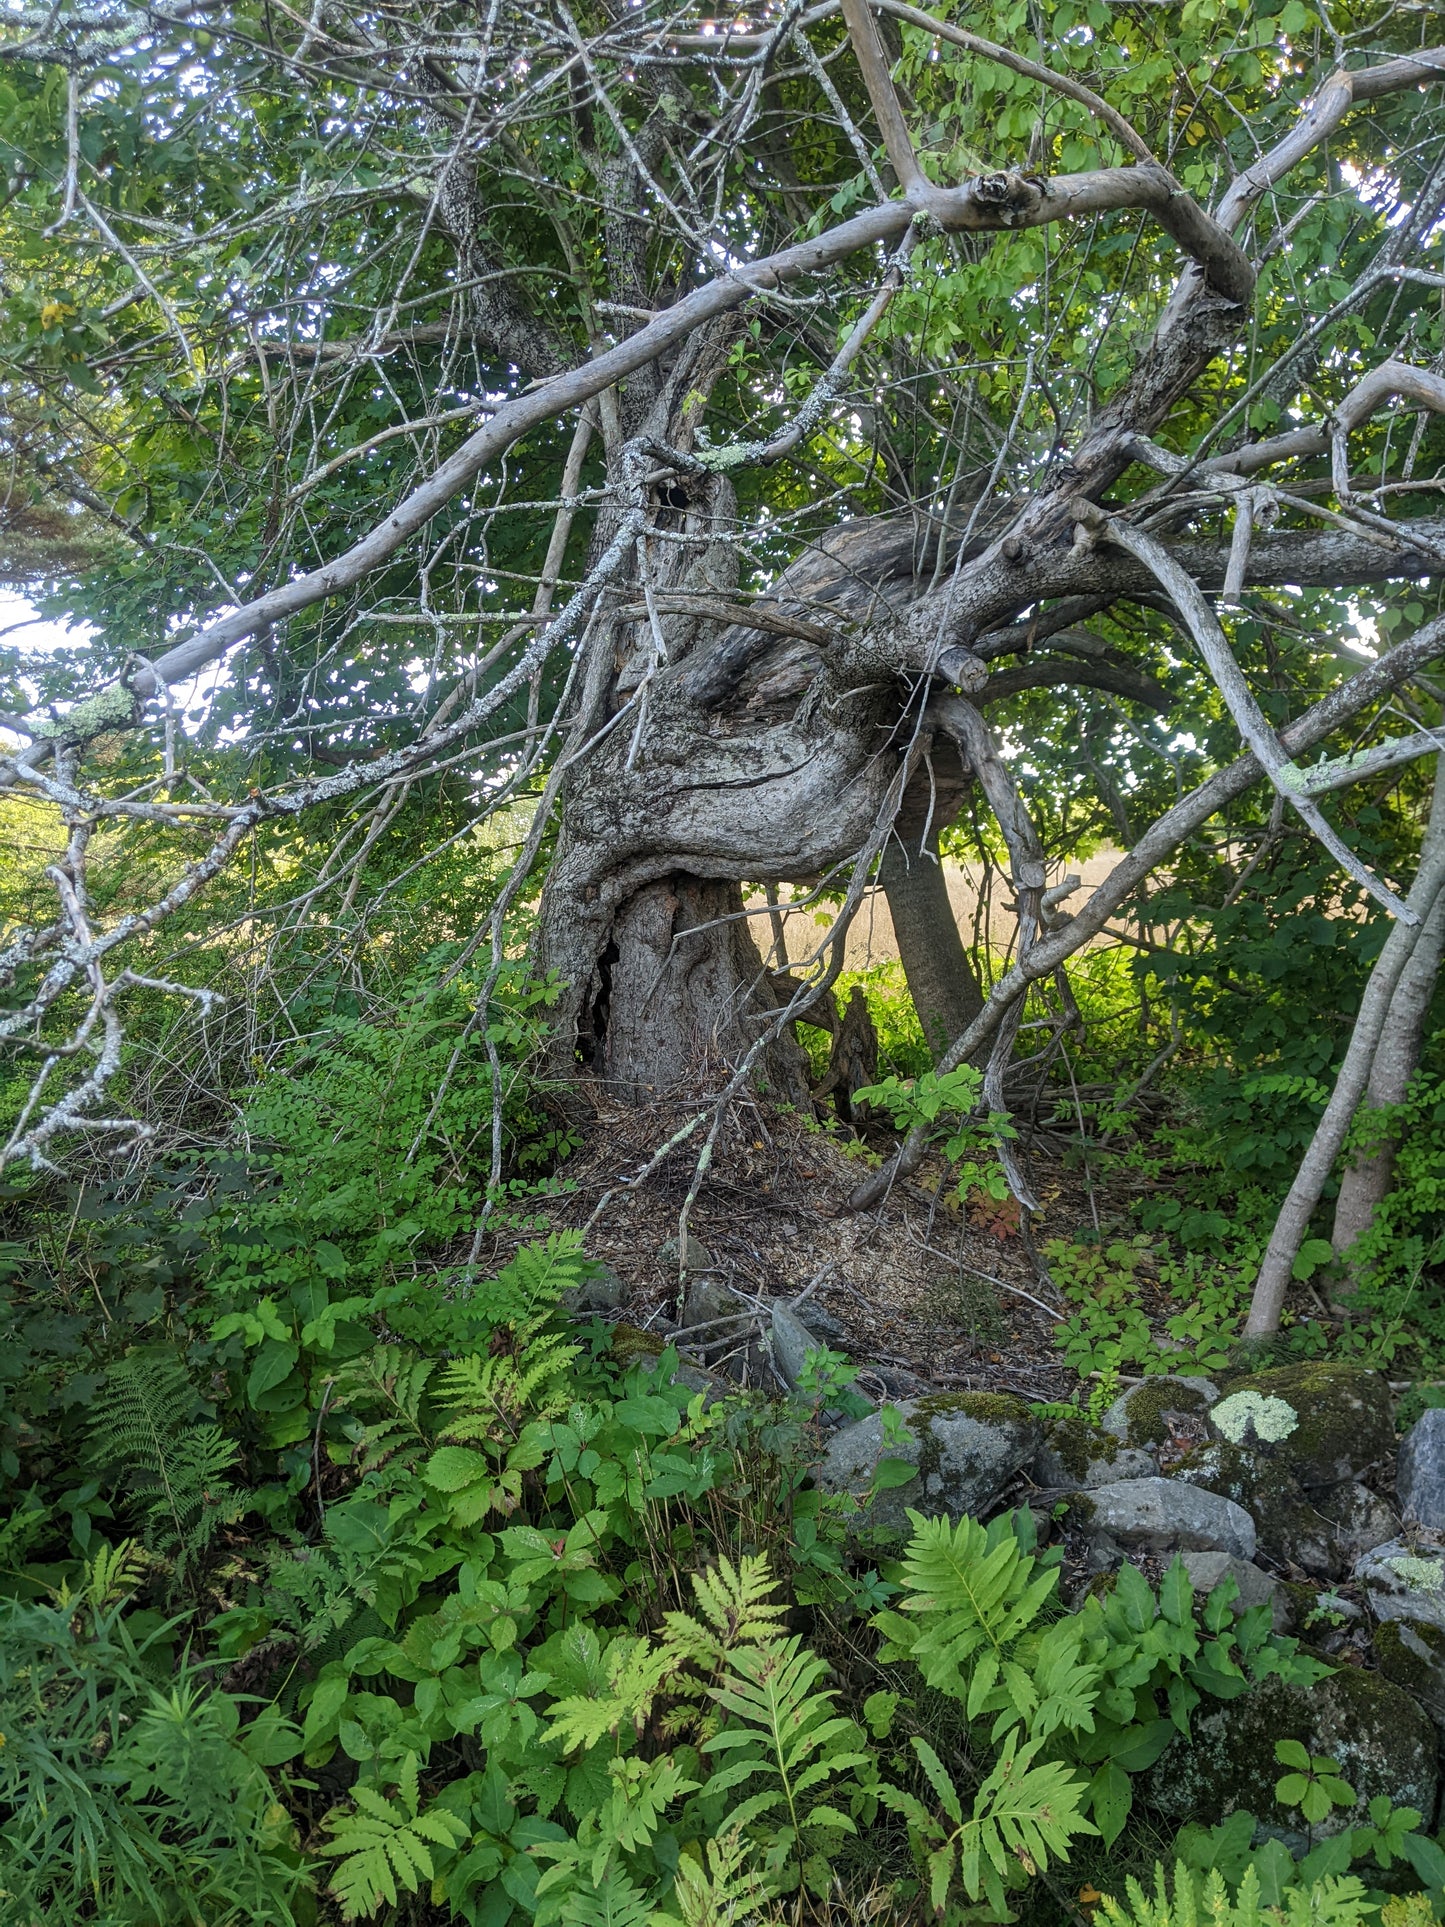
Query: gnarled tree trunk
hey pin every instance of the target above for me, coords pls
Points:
(763, 758)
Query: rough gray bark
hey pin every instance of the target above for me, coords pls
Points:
(680, 993)
(1368, 1178)
(941, 980)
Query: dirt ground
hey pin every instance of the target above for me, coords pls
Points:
(921, 1294)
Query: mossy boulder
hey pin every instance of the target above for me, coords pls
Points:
(1322, 1530)
(1074, 1454)
(1413, 1657)
(1345, 1423)
(1152, 1413)
(1381, 1740)
(965, 1447)
(632, 1346)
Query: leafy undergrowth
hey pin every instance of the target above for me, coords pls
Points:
(347, 1580)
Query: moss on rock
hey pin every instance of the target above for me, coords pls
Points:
(1076, 1445)
(1382, 1741)
(1345, 1419)
(1413, 1657)
(1140, 1416)
(1291, 1531)
(629, 1343)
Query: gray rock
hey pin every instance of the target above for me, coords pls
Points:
(1381, 1740)
(1074, 1455)
(707, 1300)
(1405, 1582)
(1421, 1481)
(1141, 1416)
(605, 1292)
(699, 1258)
(966, 1449)
(1359, 1520)
(831, 1331)
(1165, 1515)
(792, 1342)
(1256, 1588)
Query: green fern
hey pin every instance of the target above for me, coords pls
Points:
(385, 1847)
(634, 1670)
(972, 1590)
(735, 1610)
(386, 1388)
(1339, 1900)
(144, 1422)
(528, 1289)
(788, 1737)
(616, 1903)
(626, 1822)
(726, 1891)
(1022, 1814)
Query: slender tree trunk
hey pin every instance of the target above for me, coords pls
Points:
(1298, 1208)
(1368, 1179)
(941, 980)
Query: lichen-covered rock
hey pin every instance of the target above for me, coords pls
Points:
(1073, 1454)
(1344, 1421)
(1406, 1581)
(1253, 1418)
(965, 1446)
(1421, 1471)
(1164, 1515)
(1381, 1740)
(1256, 1588)
(1141, 1416)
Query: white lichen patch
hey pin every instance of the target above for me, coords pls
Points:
(1419, 1575)
(1243, 1413)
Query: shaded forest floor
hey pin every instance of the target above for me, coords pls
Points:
(921, 1293)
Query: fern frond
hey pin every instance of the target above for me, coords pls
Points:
(111, 1573)
(735, 1609)
(616, 1903)
(969, 1589)
(144, 1420)
(488, 1397)
(385, 1846)
(635, 1672)
(1021, 1811)
(528, 1289)
(1337, 1900)
(386, 1387)
(726, 1892)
